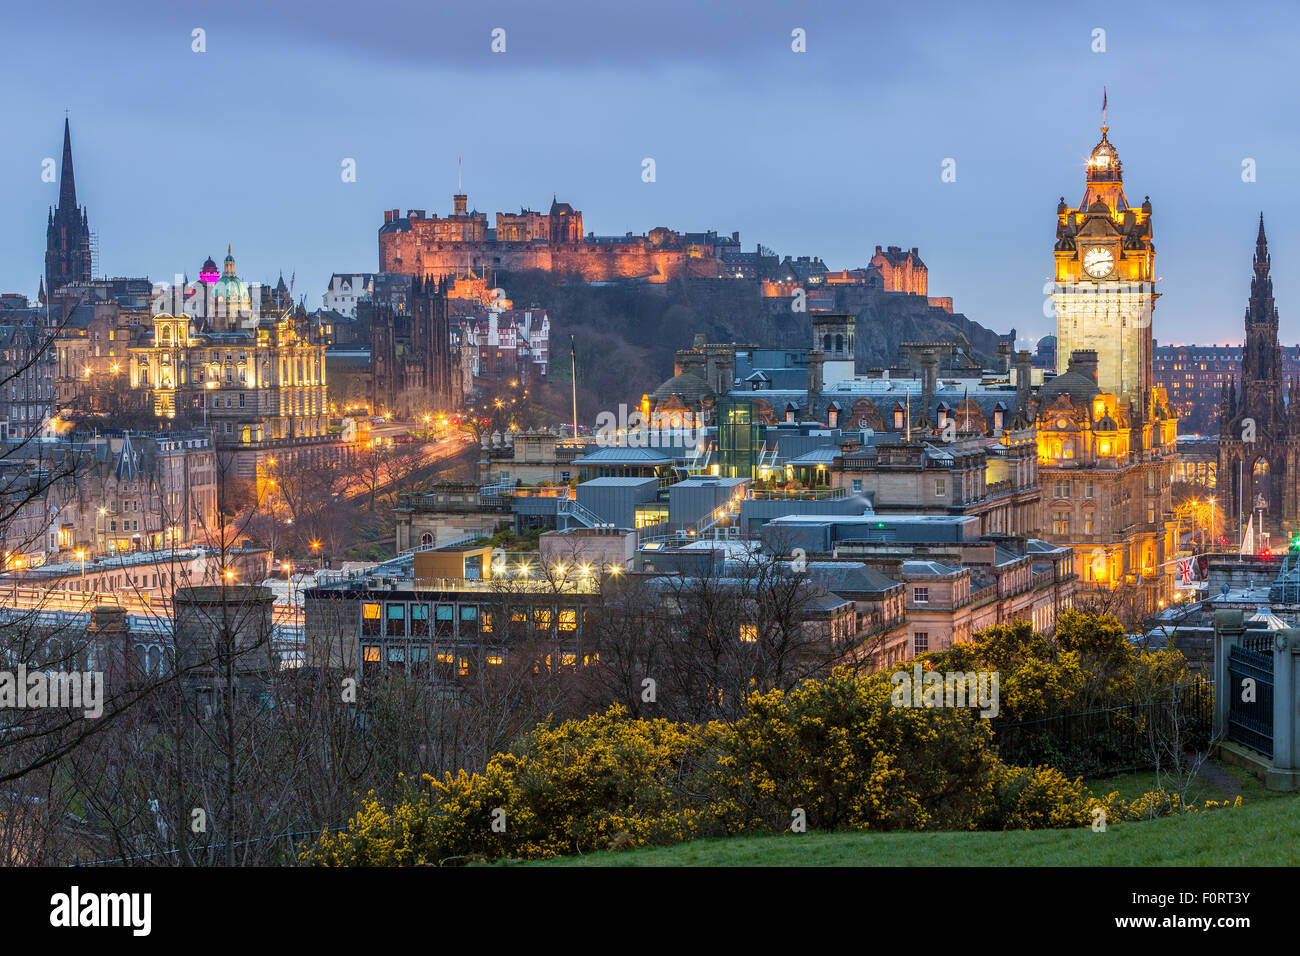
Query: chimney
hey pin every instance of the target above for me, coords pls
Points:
(1084, 361)
(815, 359)
(1024, 377)
(108, 632)
(1004, 357)
(929, 378)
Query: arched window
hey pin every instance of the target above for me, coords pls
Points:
(426, 540)
(826, 342)
(839, 343)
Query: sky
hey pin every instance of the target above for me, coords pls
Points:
(827, 152)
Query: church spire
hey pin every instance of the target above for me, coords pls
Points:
(67, 182)
(1261, 251)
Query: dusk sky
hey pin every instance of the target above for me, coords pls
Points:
(828, 152)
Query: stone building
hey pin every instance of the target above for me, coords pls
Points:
(260, 388)
(1107, 439)
(1106, 484)
(412, 365)
(28, 399)
(901, 270)
(68, 242)
(1259, 435)
(434, 247)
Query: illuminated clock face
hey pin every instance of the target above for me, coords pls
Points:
(1098, 262)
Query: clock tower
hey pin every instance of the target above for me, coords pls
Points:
(1104, 282)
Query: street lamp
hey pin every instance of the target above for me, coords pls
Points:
(81, 556)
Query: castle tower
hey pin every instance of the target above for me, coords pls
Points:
(67, 234)
(833, 337)
(1104, 290)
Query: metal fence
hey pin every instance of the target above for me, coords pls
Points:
(1112, 739)
(1250, 714)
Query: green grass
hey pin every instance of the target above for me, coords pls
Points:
(1264, 831)
(1216, 782)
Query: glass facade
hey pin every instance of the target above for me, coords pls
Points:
(738, 439)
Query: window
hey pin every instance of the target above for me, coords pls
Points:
(1062, 489)
(444, 621)
(1088, 522)
(857, 485)
(921, 595)
(485, 622)
(370, 619)
(371, 661)
(1087, 489)
(420, 660)
(542, 619)
(748, 633)
(568, 619)
(420, 619)
(920, 642)
(1060, 522)
(469, 613)
(1151, 515)
(940, 487)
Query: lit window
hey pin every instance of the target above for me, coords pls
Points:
(749, 633)
(568, 619)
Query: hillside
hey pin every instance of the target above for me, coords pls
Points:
(626, 334)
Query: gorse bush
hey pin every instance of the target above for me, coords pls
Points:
(838, 750)
(834, 749)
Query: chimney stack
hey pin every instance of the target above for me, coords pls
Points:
(1084, 361)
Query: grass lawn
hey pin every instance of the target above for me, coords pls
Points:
(1264, 831)
(1215, 782)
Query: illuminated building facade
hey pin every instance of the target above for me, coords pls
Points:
(258, 388)
(1107, 439)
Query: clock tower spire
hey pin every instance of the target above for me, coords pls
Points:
(1104, 276)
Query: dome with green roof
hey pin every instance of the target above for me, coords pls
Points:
(231, 291)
